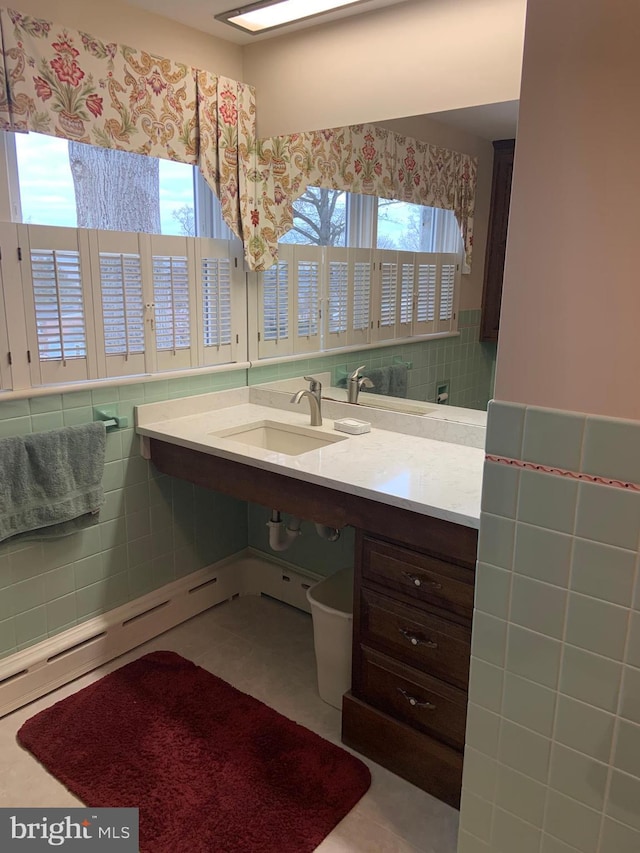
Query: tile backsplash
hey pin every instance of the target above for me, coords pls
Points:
(153, 529)
(552, 763)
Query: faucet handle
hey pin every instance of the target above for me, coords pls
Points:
(355, 373)
(314, 384)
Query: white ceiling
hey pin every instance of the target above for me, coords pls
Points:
(199, 14)
(489, 121)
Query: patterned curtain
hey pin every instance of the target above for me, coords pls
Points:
(360, 159)
(67, 83)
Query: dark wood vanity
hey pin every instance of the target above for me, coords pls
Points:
(414, 583)
(411, 648)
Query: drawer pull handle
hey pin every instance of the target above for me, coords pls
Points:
(418, 581)
(416, 703)
(416, 640)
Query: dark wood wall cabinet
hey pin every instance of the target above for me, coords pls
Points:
(496, 238)
(413, 603)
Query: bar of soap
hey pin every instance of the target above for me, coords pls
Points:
(352, 426)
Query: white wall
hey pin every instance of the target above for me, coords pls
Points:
(415, 58)
(117, 21)
(571, 303)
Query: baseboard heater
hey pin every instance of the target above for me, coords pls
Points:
(33, 672)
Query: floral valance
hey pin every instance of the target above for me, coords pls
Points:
(68, 83)
(360, 159)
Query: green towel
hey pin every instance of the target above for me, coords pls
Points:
(398, 380)
(51, 482)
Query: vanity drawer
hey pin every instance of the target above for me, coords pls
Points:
(425, 703)
(421, 639)
(423, 578)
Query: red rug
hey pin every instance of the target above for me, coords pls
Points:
(210, 768)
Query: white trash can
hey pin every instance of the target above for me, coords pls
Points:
(331, 603)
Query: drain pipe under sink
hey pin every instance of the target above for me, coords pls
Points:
(281, 535)
(332, 534)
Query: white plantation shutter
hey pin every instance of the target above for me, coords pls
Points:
(307, 267)
(426, 294)
(407, 270)
(56, 273)
(219, 281)
(386, 296)
(336, 297)
(414, 294)
(447, 285)
(215, 281)
(347, 296)
(360, 325)
(173, 277)
(119, 303)
(122, 306)
(275, 298)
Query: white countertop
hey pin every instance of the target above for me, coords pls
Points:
(417, 473)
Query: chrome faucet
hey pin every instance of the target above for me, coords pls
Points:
(355, 382)
(314, 395)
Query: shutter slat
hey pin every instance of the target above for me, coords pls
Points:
(216, 294)
(122, 303)
(308, 281)
(275, 302)
(426, 307)
(388, 296)
(447, 285)
(361, 295)
(59, 304)
(406, 293)
(338, 296)
(171, 296)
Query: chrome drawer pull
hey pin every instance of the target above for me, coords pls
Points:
(417, 641)
(418, 581)
(416, 703)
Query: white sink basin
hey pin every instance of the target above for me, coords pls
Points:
(279, 437)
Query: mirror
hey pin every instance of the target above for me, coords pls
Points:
(457, 369)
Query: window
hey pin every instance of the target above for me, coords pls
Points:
(320, 218)
(324, 217)
(55, 178)
(414, 228)
(332, 288)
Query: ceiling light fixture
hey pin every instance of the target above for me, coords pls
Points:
(256, 18)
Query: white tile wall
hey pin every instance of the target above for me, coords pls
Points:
(552, 763)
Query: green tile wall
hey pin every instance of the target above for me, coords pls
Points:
(153, 529)
(463, 361)
(553, 723)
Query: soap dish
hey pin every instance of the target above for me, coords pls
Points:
(352, 426)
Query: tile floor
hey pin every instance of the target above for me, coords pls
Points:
(264, 648)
